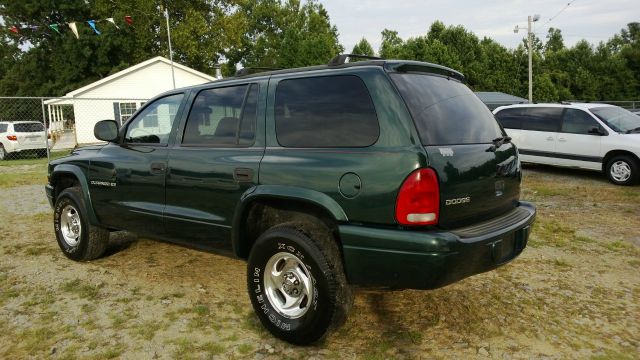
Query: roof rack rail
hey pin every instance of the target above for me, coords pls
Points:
(342, 58)
(254, 70)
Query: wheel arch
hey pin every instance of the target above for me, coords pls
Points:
(265, 206)
(66, 175)
(609, 155)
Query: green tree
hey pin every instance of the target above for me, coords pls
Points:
(363, 48)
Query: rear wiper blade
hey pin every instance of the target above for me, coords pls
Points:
(633, 130)
(497, 142)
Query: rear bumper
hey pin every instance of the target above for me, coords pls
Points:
(376, 257)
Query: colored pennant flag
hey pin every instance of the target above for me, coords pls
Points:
(74, 29)
(128, 19)
(113, 22)
(55, 28)
(14, 29)
(92, 23)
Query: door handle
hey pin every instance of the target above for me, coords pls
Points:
(158, 168)
(562, 139)
(550, 138)
(242, 174)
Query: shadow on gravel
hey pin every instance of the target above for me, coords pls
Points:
(119, 241)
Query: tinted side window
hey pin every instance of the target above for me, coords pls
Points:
(577, 122)
(3, 128)
(331, 111)
(511, 118)
(153, 125)
(542, 119)
(223, 117)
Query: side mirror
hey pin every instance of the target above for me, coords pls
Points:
(595, 131)
(106, 130)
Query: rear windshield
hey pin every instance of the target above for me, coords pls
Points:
(446, 111)
(28, 127)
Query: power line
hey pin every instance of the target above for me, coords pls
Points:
(559, 12)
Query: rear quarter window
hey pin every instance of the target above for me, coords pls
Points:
(3, 128)
(329, 111)
(511, 118)
(542, 119)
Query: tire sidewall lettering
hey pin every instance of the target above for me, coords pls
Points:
(259, 295)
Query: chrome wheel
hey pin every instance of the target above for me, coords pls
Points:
(2, 153)
(70, 225)
(620, 171)
(288, 285)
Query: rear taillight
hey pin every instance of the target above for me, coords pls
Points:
(419, 199)
(12, 137)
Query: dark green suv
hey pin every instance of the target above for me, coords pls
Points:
(381, 173)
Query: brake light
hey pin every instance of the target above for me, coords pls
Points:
(12, 137)
(418, 201)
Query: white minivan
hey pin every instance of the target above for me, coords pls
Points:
(590, 136)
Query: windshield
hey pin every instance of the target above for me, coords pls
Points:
(446, 111)
(28, 127)
(618, 119)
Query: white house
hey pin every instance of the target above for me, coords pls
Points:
(118, 96)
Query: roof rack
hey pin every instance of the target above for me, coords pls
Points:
(342, 58)
(254, 70)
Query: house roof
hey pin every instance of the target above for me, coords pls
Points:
(134, 68)
(127, 71)
(494, 97)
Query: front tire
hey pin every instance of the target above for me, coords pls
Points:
(623, 170)
(297, 284)
(77, 239)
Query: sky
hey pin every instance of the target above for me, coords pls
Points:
(593, 20)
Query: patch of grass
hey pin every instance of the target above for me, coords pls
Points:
(8, 180)
(81, 289)
(35, 161)
(245, 348)
(613, 355)
(148, 329)
(110, 353)
(212, 348)
(618, 245)
(561, 263)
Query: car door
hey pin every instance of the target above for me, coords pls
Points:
(577, 143)
(540, 126)
(214, 161)
(127, 179)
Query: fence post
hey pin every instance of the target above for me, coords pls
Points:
(46, 130)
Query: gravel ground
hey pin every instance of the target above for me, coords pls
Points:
(573, 293)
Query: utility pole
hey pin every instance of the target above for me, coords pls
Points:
(530, 21)
(173, 75)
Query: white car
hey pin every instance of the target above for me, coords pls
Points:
(590, 136)
(22, 137)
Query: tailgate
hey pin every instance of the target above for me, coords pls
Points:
(475, 184)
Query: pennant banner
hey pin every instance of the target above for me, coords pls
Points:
(92, 23)
(54, 27)
(113, 22)
(72, 25)
(74, 29)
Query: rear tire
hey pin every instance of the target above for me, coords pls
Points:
(623, 170)
(77, 239)
(297, 284)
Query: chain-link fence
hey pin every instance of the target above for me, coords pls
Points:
(37, 127)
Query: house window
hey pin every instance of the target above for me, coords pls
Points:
(126, 110)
